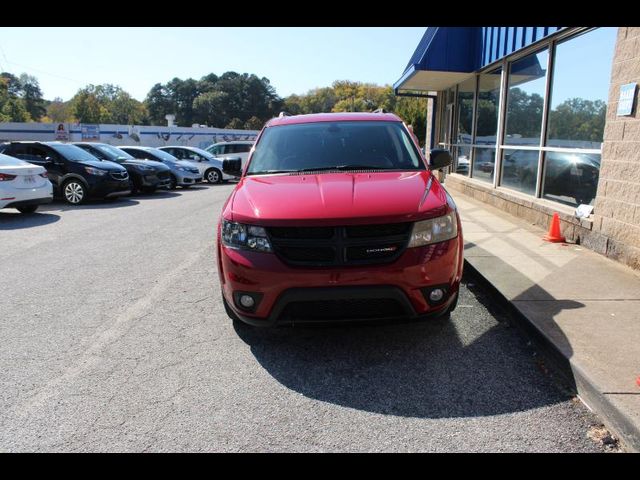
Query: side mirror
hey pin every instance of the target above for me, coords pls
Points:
(232, 166)
(439, 158)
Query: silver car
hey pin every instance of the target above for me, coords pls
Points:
(209, 166)
(183, 173)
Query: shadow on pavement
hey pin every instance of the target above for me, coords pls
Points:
(17, 220)
(422, 369)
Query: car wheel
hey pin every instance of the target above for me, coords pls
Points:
(28, 209)
(230, 313)
(174, 183)
(74, 192)
(213, 175)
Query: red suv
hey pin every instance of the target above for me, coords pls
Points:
(338, 217)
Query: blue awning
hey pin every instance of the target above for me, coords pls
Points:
(446, 56)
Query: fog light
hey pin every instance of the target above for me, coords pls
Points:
(247, 301)
(436, 295)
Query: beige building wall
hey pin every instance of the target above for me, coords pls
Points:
(617, 206)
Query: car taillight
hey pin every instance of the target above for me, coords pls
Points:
(44, 175)
(5, 177)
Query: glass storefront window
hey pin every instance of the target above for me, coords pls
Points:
(525, 99)
(484, 161)
(520, 170)
(571, 178)
(464, 105)
(487, 109)
(464, 134)
(578, 107)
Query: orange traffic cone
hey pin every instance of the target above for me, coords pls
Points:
(554, 234)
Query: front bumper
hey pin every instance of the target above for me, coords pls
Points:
(278, 285)
(30, 202)
(189, 179)
(153, 181)
(110, 188)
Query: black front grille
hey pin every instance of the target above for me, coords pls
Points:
(119, 175)
(163, 175)
(344, 245)
(343, 309)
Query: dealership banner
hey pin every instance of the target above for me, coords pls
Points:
(62, 132)
(90, 133)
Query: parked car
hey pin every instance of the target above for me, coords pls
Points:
(338, 217)
(238, 148)
(210, 167)
(76, 175)
(144, 175)
(23, 185)
(182, 173)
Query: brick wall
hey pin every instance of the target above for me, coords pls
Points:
(617, 207)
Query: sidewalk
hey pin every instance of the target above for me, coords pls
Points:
(581, 307)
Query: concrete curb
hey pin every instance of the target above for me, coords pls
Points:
(616, 420)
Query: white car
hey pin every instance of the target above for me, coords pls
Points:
(238, 148)
(23, 185)
(209, 166)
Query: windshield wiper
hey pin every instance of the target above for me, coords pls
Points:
(322, 169)
(341, 168)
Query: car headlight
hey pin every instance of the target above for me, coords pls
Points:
(247, 237)
(95, 171)
(144, 168)
(182, 169)
(434, 230)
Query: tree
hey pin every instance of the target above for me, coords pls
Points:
(254, 123)
(158, 104)
(235, 123)
(32, 96)
(59, 111)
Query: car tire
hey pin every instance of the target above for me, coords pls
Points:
(74, 192)
(213, 175)
(174, 183)
(149, 189)
(230, 313)
(28, 209)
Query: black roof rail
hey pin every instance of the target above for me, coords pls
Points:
(380, 110)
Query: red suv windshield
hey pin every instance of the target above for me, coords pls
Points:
(335, 145)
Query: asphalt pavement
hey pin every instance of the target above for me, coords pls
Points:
(113, 337)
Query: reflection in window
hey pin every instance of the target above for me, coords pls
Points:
(571, 178)
(487, 110)
(484, 160)
(520, 170)
(578, 107)
(465, 110)
(525, 99)
(464, 105)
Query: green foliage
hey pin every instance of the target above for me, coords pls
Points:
(214, 101)
(578, 119)
(59, 111)
(348, 96)
(20, 98)
(107, 104)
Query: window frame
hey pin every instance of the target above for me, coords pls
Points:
(549, 43)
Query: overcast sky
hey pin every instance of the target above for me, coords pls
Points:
(295, 60)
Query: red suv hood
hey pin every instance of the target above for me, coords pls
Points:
(330, 198)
